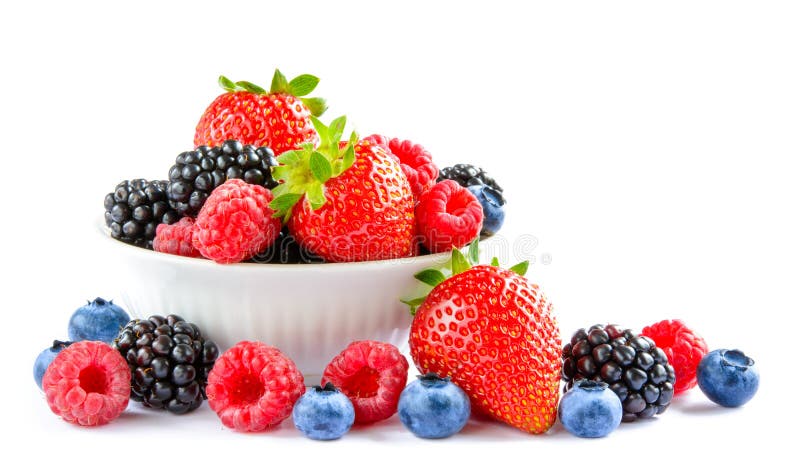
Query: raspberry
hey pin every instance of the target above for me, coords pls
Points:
(176, 239)
(416, 162)
(235, 222)
(684, 349)
(88, 383)
(372, 374)
(253, 386)
(448, 215)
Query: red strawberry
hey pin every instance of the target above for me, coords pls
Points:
(345, 201)
(278, 119)
(416, 162)
(495, 335)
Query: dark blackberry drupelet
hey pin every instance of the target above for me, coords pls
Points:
(169, 361)
(470, 175)
(633, 367)
(134, 210)
(197, 172)
(286, 250)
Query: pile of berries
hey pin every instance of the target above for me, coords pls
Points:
(268, 182)
(611, 374)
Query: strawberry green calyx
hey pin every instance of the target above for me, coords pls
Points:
(459, 263)
(299, 86)
(304, 172)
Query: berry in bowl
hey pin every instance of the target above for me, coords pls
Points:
(306, 252)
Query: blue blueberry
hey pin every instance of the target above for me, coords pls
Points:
(46, 357)
(323, 413)
(433, 407)
(493, 211)
(590, 409)
(98, 320)
(728, 377)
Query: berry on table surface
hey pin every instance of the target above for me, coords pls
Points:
(684, 349)
(634, 367)
(494, 334)
(197, 173)
(169, 359)
(136, 208)
(87, 383)
(345, 201)
(279, 118)
(98, 320)
(728, 377)
(494, 212)
(176, 239)
(235, 223)
(253, 387)
(46, 357)
(590, 409)
(372, 374)
(416, 162)
(448, 216)
(323, 413)
(470, 175)
(433, 407)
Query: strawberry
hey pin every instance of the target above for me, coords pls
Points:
(345, 201)
(494, 334)
(279, 119)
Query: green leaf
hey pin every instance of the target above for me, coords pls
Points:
(320, 167)
(289, 157)
(226, 83)
(315, 196)
(520, 268)
(413, 304)
(474, 252)
(251, 87)
(336, 129)
(459, 263)
(317, 106)
(353, 138)
(284, 202)
(431, 277)
(348, 158)
(495, 261)
(279, 83)
(303, 85)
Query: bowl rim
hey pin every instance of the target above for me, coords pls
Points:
(105, 233)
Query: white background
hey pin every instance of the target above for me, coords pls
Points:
(649, 148)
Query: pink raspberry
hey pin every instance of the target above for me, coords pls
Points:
(416, 162)
(253, 387)
(372, 374)
(684, 349)
(235, 223)
(88, 383)
(448, 215)
(176, 239)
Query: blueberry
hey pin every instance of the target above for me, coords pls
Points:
(98, 320)
(44, 359)
(590, 409)
(493, 211)
(728, 377)
(323, 413)
(433, 407)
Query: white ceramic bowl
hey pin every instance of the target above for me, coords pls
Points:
(310, 312)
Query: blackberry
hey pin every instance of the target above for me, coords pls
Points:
(134, 210)
(470, 175)
(286, 250)
(169, 361)
(196, 173)
(632, 366)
